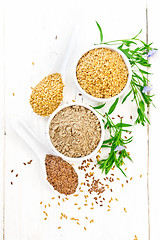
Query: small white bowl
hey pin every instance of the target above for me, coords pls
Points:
(80, 158)
(126, 62)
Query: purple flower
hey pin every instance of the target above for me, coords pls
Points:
(119, 148)
(151, 52)
(146, 89)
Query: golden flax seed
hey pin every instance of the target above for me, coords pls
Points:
(47, 95)
(102, 73)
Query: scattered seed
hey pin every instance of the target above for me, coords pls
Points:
(45, 213)
(75, 195)
(125, 210)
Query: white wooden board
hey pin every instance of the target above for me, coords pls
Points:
(37, 31)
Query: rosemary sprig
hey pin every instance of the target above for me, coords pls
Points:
(116, 143)
(137, 52)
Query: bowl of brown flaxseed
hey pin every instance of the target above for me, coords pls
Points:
(75, 131)
(102, 73)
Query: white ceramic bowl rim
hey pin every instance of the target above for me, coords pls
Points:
(125, 60)
(80, 158)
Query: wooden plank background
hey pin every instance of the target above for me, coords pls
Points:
(37, 31)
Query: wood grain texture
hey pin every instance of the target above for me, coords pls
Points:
(154, 163)
(2, 123)
(36, 31)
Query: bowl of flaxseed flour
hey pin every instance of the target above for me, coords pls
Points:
(102, 73)
(75, 132)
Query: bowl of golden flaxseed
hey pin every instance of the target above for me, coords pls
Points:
(102, 73)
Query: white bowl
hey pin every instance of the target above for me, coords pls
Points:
(126, 62)
(80, 158)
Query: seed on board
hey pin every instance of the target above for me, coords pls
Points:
(40, 202)
(16, 175)
(125, 210)
(12, 171)
(85, 228)
(141, 176)
(59, 227)
(45, 213)
(75, 195)
(11, 183)
(131, 178)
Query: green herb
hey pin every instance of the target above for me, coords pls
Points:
(116, 143)
(100, 30)
(136, 51)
